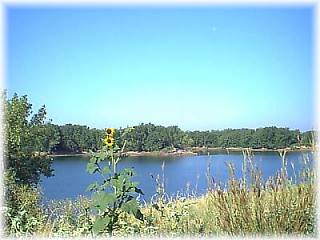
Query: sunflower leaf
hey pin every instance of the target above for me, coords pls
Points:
(92, 168)
(100, 224)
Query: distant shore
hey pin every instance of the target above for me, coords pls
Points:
(189, 152)
(239, 149)
(159, 153)
(200, 151)
(130, 154)
(68, 154)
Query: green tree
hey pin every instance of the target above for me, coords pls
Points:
(53, 137)
(22, 141)
(308, 138)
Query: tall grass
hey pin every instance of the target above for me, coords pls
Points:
(67, 218)
(246, 206)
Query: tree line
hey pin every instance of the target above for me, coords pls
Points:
(28, 134)
(73, 138)
(148, 137)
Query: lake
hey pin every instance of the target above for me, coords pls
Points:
(182, 175)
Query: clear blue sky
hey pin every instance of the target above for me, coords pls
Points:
(195, 67)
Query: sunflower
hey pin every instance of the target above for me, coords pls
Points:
(111, 132)
(109, 141)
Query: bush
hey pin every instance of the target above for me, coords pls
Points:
(23, 213)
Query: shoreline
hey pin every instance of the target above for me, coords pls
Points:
(68, 154)
(159, 153)
(191, 152)
(239, 149)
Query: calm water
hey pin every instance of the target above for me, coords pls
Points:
(182, 175)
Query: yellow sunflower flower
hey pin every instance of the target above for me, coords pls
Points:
(108, 141)
(111, 132)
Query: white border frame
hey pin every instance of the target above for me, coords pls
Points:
(154, 3)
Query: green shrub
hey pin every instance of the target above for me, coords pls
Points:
(23, 213)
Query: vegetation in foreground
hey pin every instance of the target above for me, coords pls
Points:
(246, 206)
(275, 207)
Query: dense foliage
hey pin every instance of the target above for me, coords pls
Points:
(149, 137)
(78, 138)
(69, 138)
(23, 213)
(24, 136)
(33, 134)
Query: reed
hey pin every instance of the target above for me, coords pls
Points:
(246, 206)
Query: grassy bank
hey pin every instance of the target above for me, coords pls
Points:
(239, 212)
(290, 210)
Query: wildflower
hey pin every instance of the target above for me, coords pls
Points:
(108, 141)
(111, 132)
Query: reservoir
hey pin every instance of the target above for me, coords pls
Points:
(181, 175)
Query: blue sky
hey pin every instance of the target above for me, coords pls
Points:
(195, 67)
